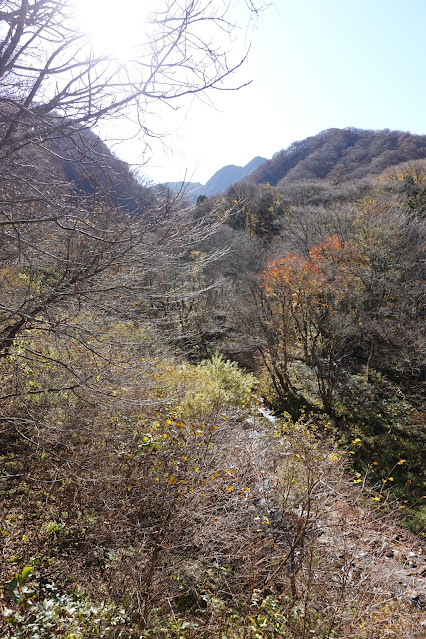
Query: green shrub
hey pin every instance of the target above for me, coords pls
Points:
(214, 386)
(65, 616)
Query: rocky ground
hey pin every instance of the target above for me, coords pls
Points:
(352, 542)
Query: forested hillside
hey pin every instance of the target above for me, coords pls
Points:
(340, 155)
(211, 417)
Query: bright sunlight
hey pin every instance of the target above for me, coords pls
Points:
(114, 26)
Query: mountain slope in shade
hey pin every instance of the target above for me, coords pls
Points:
(339, 155)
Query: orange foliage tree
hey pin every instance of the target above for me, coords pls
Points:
(350, 301)
(306, 302)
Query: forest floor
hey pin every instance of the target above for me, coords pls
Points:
(269, 536)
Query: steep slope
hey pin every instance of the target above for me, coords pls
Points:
(86, 162)
(340, 155)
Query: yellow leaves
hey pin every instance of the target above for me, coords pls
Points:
(377, 498)
(172, 480)
(196, 469)
(231, 489)
(400, 462)
(357, 479)
(357, 440)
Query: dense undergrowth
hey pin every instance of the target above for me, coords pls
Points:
(167, 506)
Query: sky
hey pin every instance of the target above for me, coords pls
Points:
(313, 65)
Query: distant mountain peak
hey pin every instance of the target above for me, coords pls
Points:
(219, 182)
(230, 174)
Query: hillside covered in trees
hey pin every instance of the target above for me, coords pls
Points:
(340, 155)
(211, 417)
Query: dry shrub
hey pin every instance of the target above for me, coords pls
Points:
(229, 528)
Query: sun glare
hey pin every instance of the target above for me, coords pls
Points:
(114, 26)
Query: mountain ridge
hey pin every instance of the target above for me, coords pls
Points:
(334, 154)
(340, 155)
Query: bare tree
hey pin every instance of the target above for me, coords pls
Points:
(74, 259)
(52, 78)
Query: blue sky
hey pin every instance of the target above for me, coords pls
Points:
(314, 64)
